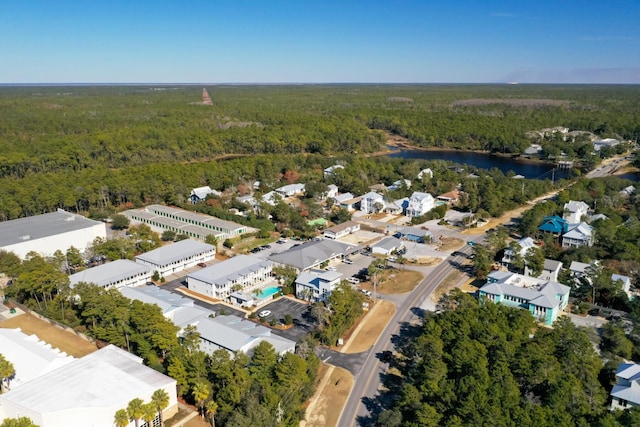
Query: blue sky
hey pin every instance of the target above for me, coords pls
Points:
(316, 41)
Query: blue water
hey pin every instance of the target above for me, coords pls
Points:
(531, 170)
(267, 292)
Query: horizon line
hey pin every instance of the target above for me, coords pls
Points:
(44, 84)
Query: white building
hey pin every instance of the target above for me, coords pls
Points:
(201, 193)
(115, 274)
(316, 285)
(233, 333)
(49, 232)
(331, 170)
(420, 203)
(574, 211)
(177, 256)
(372, 202)
(194, 225)
(332, 191)
(578, 235)
(290, 190)
(399, 184)
(313, 254)
(550, 270)
(626, 393)
(240, 273)
(88, 391)
(272, 198)
(510, 253)
(387, 246)
(425, 173)
(341, 230)
(346, 201)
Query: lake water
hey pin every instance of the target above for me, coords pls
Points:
(531, 170)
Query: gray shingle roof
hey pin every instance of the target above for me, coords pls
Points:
(312, 253)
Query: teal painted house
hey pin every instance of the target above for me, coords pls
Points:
(545, 300)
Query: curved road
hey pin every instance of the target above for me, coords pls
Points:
(367, 380)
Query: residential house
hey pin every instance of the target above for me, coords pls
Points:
(425, 173)
(544, 299)
(387, 246)
(419, 204)
(240, 273)
(395, 207)
(450, 198)
(628, 191)
(332, 191)
(550, 270)
(399, 184)
(606, 142)
(341, 230)
(316, 285)
(372, 202)
(554, 224)
(575, 211)
(624, 281)
(331, 170)
(346, 201)
(578, 235)
(272, 198)
(311, 255)
(510, 253)
(290, 190)
(579, 270)
(626, 393)
(199, 194)
(249, 200)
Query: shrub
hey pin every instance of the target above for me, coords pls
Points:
(288, 319)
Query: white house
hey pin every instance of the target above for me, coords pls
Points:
(201, 193)
(331, 170)
(625, 282)
(346, 201)
(332, 191)
(425, 173)
(311, 255)
(399, 184)
(372, 202)
(316, 285)
(550, 270)
(115, 274)
(341, 230)
(510, 254)
(290, 190)
(626, 393)
(574, 211)
(578, 235)
(49, 232)
(387, 246)
(177, 256)
(271, 198)
(240, 273)
(419, 204)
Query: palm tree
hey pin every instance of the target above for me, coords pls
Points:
(160, 399)
(134, 410)
(200, 393)
(121, 418)
(149, 413)
(211, 407)
(6, 372)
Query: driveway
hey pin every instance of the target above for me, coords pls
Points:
(351, 362)
(302, 324)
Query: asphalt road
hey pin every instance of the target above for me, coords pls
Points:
(367, 380)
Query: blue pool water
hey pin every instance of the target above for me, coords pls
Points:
(267, 292)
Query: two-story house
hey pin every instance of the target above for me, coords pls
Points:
(419, 204)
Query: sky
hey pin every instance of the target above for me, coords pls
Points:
(319, 41)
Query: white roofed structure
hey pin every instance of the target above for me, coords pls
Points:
(49, 232)
(177, 256)
(87, 391)
(115, 274)
(311, 254)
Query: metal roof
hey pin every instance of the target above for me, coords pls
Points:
(177, 251)
(111, 272)
(188, 216)
(312, 253)
(229, 270)
(40, 226)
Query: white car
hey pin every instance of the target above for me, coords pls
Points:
(264, 313)
(331, 269)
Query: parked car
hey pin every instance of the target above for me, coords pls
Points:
(264, 313)
(347, 261)
(331, 269)
(201, 264)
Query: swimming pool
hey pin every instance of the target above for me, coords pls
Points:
(267, 292)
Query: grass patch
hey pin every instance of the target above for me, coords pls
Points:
(330, 399)
(447, 285)
(396, 281)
